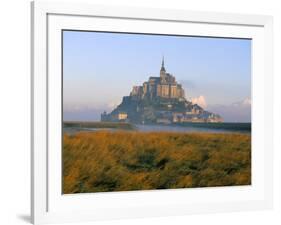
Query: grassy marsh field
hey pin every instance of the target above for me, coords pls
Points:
(127, 160)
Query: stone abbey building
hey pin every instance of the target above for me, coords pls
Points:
(159, 100)
(164, 86)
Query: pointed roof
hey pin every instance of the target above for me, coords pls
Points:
(162, 66)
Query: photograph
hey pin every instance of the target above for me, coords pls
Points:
(154, 111)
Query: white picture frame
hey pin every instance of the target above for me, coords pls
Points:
(48, 205)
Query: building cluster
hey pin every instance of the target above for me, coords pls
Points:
(120, 116)
(196, 117)
(195, 114)
(164, 86)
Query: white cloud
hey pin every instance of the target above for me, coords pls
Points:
(113, 104)
(201, 101)
(239, 111)
(245, 102)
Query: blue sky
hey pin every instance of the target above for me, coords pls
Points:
(100, 68)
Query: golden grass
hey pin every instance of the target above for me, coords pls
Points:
(124, 161)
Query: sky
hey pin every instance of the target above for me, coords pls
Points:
(100, 68)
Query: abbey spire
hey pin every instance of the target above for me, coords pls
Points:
(163, 70)
(162, 66)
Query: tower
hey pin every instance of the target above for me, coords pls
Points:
(162, 70)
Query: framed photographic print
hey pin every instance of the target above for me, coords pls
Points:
(143, 112)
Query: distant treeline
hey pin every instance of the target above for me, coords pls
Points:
(112, 125)
(224, 126)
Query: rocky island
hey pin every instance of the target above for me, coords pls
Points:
(159, 100)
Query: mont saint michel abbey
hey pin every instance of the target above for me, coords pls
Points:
(164, 86)
(161, 99)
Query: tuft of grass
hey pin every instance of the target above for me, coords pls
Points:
(128, 160)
